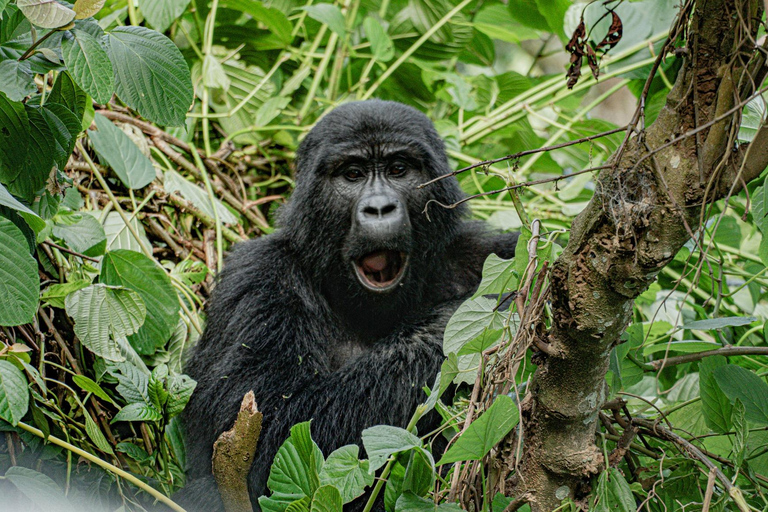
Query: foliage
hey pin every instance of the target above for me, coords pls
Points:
(139, 140)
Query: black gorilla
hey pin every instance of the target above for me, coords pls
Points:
(338, 316)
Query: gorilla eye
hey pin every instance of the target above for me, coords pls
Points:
(353, 174)
(397, 170)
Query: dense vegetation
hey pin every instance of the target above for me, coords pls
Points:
(139, 140)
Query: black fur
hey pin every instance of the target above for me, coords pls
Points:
(289, 321)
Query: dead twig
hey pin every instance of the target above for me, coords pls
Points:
(233, 454)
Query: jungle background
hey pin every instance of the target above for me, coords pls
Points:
(139, 140)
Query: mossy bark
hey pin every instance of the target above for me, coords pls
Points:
(643, 211)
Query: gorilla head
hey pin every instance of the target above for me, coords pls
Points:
(369, 158)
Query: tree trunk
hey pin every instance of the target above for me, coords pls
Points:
(644, 209)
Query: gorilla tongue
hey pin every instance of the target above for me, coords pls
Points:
(375, 261)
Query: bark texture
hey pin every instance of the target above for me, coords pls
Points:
(643, 211)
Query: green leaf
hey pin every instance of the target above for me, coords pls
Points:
(16, 79)
(753, 117)
(14, 395)
(55, 294)
(138, 411)
(295, 470)
(614, 493)
(175, 182)
(419, 473)
(15, 138)
(495, 22)
(382, 47)
(19, 280)
(101, 310)
(326, 499)
(39, 489)
(742, 432)
(740, 383)
(485, 340)
(214, 75)
(120, 237)
(95, 434)
(33, 219)
(554, 12)
(161, 13)
(81, 232)
(66, 92)
(468, 322)
(65, 127)
(343, 470)
(274, 19)
(180, 389)
(714, 404)
(527, 13)
(89, 64)
(382, 441)
(89, 386)
(135, 452)
(46, 13)
(485, 432)
(135, 271)
(151, 74)
(410, 502)
(685, 346)
(87, 8)
(328, 14)
(719, 323)
(121, 154)
(499, 277)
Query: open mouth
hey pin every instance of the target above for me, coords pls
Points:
(381, 271)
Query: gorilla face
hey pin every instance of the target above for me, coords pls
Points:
(377, 185)
(358, 170)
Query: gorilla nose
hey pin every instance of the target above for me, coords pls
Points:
(379, 207)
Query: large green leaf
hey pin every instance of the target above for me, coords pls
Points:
(89, 64)
(14, 138)
(39, 162)
(39, 489)
(151, 74)
(116, 149)
(46, 13)
(742, 384)
(613, 493)
(295, 471)
(485, 432)
(19, 280)
(382, 441)
(346, 472)
(135, 271)
(161, 13)
(33, 219)
(88, 8)
(16, 79)
(81, 232)
(328, 14)
(100, 311)
(65, 127)
(326, 499)
(381, 45)
(273, 18)
(14, 395)
(175, 182)
(498, 276)
(138, 411)
(714, 404)
(66, 92)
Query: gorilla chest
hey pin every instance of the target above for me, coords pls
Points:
(344, 350)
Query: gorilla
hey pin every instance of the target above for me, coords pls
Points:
(338, 316)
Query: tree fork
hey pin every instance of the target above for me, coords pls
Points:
(645, 208)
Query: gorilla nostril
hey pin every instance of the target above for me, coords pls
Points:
(377, 211)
